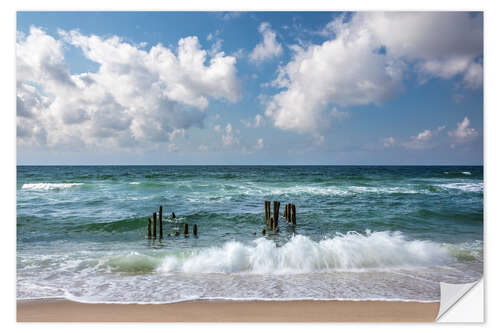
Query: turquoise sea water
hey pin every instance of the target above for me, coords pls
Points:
(363, 232)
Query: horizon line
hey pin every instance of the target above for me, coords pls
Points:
(111, 164)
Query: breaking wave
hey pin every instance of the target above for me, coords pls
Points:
(350, 251)
(49, 186)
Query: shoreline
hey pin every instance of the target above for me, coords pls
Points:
(62, 310)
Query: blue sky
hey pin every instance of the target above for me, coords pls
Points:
(249, 88)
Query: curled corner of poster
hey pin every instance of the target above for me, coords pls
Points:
(461, 303)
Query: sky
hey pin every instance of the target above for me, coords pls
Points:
(368, 88)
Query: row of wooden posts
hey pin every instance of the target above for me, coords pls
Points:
(289, 214)
(152, 235)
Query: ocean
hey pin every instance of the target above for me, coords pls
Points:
(362, 232)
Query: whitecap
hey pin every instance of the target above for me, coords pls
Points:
(48, 186)
(467, 187)
(344, 252)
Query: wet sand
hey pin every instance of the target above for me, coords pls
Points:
(228, 311)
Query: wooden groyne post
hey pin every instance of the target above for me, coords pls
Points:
(186, 229)
(154, 225)
(149, 228)
(276, 214)
(267, 208)
(293, 215)
(195, 230)
(160, 213)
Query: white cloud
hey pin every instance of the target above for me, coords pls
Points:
(366, 61)
(424, 136)
(343, 71)
(269, 47)
(440, 44)
(473, 77)
(260, 144)
(134, 98)
(258, 120)
(428, 138)
(231, 15)
(40, 57)
(424, 139)
(228, 137)
(463, 133)
(389, 142)
(256, 123)
(216, 43)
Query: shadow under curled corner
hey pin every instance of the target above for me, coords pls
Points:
(461, 302)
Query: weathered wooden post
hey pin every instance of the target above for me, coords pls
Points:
(276, 214)
(154, 225)
(195, 230)
(186, 229)
(149, 228)
(160, 213)
(269, 217)
(285, 211)
(173, 215)
(293, 215)
(289, 212)
(264, 231)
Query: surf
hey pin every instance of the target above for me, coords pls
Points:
(351, 251)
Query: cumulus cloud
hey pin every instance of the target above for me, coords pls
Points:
(366, 61)
(463, 133)
(441, 44)
(229, 137)
(344, 71)
(269, 47)
(135, 97)
(424, 139)
(431, 138)
(256, 123)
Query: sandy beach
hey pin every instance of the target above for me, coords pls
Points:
(228, 311)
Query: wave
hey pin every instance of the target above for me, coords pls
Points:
(134, 262)
(466, 187)
(71, 297)
(459, 174)
(49, 186)
(343, 252)
(130, 224)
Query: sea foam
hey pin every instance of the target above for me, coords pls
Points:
(466, 187)
(351, 251)
(49, 186)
